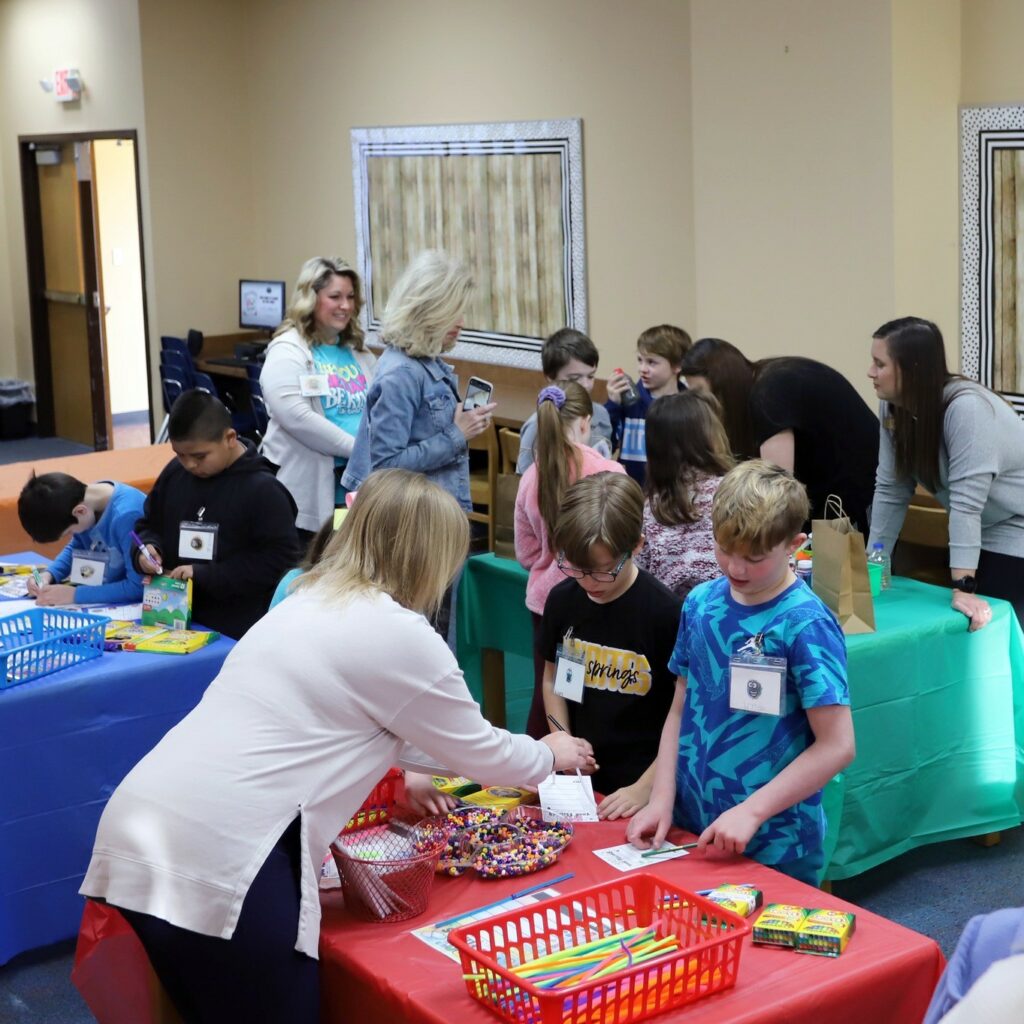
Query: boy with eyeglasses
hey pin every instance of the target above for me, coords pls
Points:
(567, 357)
(606, 637)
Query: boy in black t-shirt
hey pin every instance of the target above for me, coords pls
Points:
(623, 626)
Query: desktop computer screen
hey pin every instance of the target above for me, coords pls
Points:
(260, 304)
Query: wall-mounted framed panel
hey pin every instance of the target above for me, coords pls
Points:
(505, 198)
(992, 249)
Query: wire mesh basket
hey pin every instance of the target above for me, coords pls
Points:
(39, 641)
(387, 871)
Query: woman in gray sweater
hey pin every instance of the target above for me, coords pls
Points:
(964, 444)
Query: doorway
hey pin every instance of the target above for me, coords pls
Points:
(86, 278)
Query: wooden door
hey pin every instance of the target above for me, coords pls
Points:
(80, 405)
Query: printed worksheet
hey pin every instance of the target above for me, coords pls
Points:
(627, 857)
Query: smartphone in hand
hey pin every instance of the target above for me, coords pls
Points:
(478, 392)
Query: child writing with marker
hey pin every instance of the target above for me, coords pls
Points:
(761, 718)
(217, 515)
(606, 637)
(97, 518)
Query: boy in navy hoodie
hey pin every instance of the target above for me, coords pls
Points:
(218, 515)
(98, 519)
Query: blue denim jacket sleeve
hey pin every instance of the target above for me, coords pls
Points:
(403, 412)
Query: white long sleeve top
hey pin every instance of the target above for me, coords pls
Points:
(981, 478)
(309, 711)
(300, 439)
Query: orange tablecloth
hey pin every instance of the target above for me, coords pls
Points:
(136, 466)
(381, 973)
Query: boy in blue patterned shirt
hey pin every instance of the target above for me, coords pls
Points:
(761, 716)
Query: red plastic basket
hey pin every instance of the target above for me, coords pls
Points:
(711, 939)
(378, 806)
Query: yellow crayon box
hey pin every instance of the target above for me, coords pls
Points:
(740, 899)
(825, 932)
(778, 925)
(501, 798)
(459, 786)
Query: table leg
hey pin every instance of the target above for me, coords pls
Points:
(988, 839)
(492, 669)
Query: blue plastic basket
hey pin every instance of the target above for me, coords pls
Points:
(44, 640)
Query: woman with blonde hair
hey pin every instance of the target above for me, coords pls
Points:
(561, 457)
(414, 416)
(314, 382)
(687, 456)
(212, 844)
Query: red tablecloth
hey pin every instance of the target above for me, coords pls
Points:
(381, 973)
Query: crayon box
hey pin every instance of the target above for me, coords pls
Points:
(167, 602)
(825, 932)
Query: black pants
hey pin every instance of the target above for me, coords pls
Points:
(1002, 576)
(257, 974)
(537, 721)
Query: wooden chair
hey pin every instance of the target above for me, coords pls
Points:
(509, 441)
(483, 480)
(923, 549)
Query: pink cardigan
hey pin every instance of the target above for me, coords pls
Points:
(532, 547)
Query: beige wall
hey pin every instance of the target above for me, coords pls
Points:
(793, 176)
(926, 162)
(992, 70)
(199, 73)
(101, 39)
(623, 68)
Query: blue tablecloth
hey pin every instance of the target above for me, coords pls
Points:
(66, 741)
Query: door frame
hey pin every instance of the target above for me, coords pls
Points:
(40, 327)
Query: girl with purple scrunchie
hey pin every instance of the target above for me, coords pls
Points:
(561, 457)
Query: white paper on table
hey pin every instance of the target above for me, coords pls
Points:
(568, 798)
(15, 587)
(128, 612)
(15, 607)
(627, 857)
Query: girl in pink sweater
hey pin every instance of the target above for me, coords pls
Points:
(561, 457)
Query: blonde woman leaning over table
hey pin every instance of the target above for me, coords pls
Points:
(963, 443)
(213, 842)
(315, 382)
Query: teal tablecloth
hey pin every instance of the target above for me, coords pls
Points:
(938, 713)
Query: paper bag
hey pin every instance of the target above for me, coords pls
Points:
(840, 574)
(505, 493)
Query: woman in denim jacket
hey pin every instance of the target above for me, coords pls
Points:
(414, 417)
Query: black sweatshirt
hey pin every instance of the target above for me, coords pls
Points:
(256, 539)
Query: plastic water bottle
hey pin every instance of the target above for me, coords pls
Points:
(630, 395)
(880, 556)
(803, 569)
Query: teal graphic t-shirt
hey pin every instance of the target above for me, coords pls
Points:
(346, 402)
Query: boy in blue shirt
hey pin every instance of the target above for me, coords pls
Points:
(98, 519)
(659, 359)
(748, 744)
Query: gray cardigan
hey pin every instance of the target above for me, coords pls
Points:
(981, 478)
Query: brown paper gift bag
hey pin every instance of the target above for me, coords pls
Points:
(505, 492)
(840, 569)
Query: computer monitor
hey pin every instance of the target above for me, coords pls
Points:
(260, 304)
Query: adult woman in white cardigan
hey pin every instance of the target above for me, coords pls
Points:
(314, 382)
(212, 844)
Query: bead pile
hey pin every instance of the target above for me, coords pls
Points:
(494, 845)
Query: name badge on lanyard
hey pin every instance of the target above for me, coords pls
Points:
(757, 682)
(570, 669)
(197, 541)
(89, 567)
(313, 385)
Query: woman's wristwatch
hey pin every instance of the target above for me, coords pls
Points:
(967, 584)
